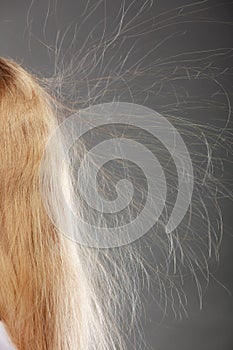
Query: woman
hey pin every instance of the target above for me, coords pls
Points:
(45, 299)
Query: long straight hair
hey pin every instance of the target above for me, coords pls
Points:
(46, 301)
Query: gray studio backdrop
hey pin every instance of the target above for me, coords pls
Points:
(29, 31)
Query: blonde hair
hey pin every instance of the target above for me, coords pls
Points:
(56, 294)
(45, 299)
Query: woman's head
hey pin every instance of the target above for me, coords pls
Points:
(44, 300)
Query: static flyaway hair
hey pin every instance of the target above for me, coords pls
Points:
(55, 292)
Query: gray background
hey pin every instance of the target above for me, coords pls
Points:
(26, 26)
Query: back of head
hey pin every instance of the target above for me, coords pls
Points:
(43, 296)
